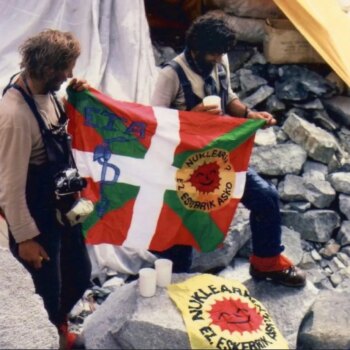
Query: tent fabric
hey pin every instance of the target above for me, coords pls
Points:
(117, 55)
(325, 24)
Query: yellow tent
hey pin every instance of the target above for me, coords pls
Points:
(326, 26)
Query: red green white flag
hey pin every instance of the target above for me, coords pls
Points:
(158, 176)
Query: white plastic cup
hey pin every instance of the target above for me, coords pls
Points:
(212, 100)
(147, 282)
(164, 269)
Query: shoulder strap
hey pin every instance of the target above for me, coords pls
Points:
(57, 152)
(30, 102)
(190, 97)
(223, 86)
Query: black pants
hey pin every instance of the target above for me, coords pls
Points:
(63, 279)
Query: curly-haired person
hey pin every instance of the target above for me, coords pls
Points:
(31, 119)
(202, 70)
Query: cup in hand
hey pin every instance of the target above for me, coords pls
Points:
(212, 100)
(147, 282)
(164, 269)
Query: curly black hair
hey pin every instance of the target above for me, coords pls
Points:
(210, 33)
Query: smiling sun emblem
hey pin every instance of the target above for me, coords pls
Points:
(206, 177)
(206, 180)
(234, 316)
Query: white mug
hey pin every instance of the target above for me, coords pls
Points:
(212, 100)
(164, 269)
(147, 282)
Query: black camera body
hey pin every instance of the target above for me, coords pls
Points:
(68, 181)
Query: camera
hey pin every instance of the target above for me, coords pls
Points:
(69, 181)
(71, 210)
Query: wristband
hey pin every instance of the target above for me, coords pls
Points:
(246, 112)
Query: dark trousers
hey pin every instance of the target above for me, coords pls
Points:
(262, 200)
(63, 279)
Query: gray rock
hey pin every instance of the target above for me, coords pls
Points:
(344, 233)
(314, 104)
(344, 286)
(340, 181)
(258, 96)
(327, 324)
(307, 262)
(330, 250)
(307, 246)
(273, 104)
(24, 322)
(322, 119)
(235, 82)
(339, 163)
(344, 137)
(265, 137)
(318, 277)
(328, 271)
(292, 242)
(320, 193)
(338, 263)
(314, 170)
(257, 58)
(281, 136)
(237, 236)
(318, 143)
(287, 306)
(345, 250)
(314, 225)
(298, 83)
(250, 82)
(339, 109)
(301, 207)
(292, 188)
(345, 259)
(272, 160)
(239, 56)
(239, 271)
(324, 263)
(336, 279)
(127, 321)
(315, 255)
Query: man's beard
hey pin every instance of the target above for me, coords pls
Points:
(52, 85)
(204, 66)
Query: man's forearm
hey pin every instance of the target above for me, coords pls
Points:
(237, 109)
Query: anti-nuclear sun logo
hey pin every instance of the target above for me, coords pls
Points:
(206, 177)
(206, 180)
(234, 315)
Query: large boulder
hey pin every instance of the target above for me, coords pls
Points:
(273, 160)
(344, 205)
(314, 225)
(340, 181)
(287, 306)
(24, 322)
(327, 324)
(318, 143)
(339, 109)
(127, 321)
(320, 193)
